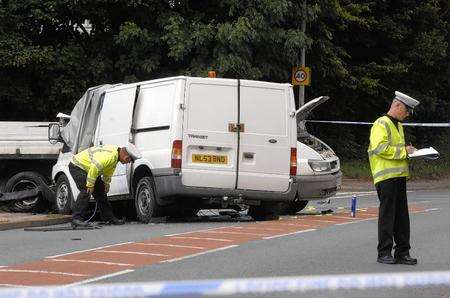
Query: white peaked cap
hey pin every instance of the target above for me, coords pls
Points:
(133, 151)
(407, 100)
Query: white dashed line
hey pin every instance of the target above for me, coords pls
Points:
(91, 262)
(171, 245)
(132, 253)
(91, 249)
(43, 272)
(198, 254)
(289, 234)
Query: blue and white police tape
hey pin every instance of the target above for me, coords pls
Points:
(222, 287)
(370, 123)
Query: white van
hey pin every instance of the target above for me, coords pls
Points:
(205, 143)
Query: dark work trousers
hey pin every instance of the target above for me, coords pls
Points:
(393, 217)
(99, 194)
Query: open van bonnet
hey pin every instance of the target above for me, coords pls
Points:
(303, 112)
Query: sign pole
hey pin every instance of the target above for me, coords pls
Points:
(301, 93)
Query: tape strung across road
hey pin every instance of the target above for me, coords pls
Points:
(221, 287)
(370, 123)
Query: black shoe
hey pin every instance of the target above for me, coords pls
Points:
(407, 260)
(386, 260)
(116, 221)
(79, 223)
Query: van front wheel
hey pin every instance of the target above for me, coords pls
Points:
(145, 200)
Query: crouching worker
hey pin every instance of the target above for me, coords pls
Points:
(87, 169)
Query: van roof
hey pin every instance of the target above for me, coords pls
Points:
(123, 86)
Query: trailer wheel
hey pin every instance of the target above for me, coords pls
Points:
(293, 207)
(64, 198)
(265, 211)
(145, 200)
(26, 181)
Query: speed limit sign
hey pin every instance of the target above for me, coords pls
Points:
(301, 76)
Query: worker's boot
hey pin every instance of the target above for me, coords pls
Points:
(406, 260)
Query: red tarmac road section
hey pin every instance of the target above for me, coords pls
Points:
(102, 262)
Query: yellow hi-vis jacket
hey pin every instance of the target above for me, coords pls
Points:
(97, 161)
(387, 152)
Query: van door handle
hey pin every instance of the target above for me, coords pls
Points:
(249, 155)
(236, 127)
(272, 141)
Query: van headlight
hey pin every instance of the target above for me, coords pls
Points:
(319, 165)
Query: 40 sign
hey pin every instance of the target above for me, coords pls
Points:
(301, 76)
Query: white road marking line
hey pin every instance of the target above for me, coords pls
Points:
(431, 209)
(190, 232)
(132, 253)
(99, 278)
(344, 217)
(233, 233)
(354, 192)
(345, 197)
(14, 286)
(202, 238)
(294, 225)
(92, 262)
(289, 234)
(262, 228)
(351, 222)
(43, 272)
(85, 250)
(171, 245)
(198, 254)
(322, 220)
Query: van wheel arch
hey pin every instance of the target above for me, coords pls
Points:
(138, 174)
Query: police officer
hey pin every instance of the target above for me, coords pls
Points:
(87, 169)
(388, 157)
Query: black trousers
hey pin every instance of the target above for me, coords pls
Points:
(82, 203)
(393, 217)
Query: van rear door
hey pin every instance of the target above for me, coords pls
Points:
(209, 148)
(265, 138)
(114, 127)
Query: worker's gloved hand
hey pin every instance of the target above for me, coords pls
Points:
(106, 188)
(89, 190)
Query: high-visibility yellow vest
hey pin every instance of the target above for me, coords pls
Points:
(97, 161)
(387, 152)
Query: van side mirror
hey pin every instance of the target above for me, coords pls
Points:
(54, 133)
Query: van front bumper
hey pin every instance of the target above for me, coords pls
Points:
(168, 183)
(319, 186)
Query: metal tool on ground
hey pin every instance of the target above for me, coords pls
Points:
(65, 228)
(68, 228)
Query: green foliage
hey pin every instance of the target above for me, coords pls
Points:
(360, 52)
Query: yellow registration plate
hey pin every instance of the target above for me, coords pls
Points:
(212, 159)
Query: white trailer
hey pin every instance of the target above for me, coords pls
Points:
(26, 160)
